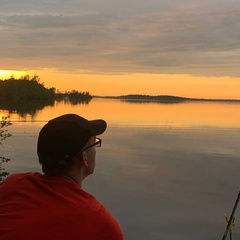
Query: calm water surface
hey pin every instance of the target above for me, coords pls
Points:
(166, 171)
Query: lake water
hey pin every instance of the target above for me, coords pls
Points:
(166, 171)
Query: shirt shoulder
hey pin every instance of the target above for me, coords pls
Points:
(108, 227)
(104, 225)
(19, 176)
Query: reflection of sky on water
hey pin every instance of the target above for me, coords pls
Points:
(161, 182)
(169, 184)
(180, 115)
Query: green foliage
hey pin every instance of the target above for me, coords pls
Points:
(25, 88)
(4, 134)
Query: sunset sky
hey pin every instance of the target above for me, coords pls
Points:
(177, 47)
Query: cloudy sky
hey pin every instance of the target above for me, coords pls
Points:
(126, 45)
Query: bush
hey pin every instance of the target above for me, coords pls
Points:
(4, 134)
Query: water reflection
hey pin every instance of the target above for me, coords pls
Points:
(24, 108)
(180, 115)
(166, 171)
(74, 101)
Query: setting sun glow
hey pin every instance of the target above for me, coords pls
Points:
(146, 84)
(5, 74)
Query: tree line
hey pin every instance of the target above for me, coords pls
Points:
(30, 88)
(74, 95)
(25, 88)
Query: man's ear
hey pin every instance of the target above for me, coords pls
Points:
(84, 159)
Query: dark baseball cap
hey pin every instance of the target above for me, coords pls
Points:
(66, 135)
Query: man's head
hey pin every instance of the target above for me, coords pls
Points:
(62, 138)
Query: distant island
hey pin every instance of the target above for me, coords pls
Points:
(164, 98)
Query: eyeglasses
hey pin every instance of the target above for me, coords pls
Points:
(98, 143)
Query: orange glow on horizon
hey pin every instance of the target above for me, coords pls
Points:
(123, 84)
(149, 84)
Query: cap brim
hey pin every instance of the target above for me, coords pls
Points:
(97, 127)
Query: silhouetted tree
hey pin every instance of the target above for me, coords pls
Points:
(25, 88)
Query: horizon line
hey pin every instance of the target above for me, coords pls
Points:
(165, 95)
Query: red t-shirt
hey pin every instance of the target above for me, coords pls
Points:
(40, 207)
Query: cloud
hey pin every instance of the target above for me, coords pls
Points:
(123, 36)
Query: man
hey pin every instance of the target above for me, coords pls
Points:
(53, 206)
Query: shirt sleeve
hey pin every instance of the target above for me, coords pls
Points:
(109, 228)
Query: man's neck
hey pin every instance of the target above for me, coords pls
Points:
(72, 179)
